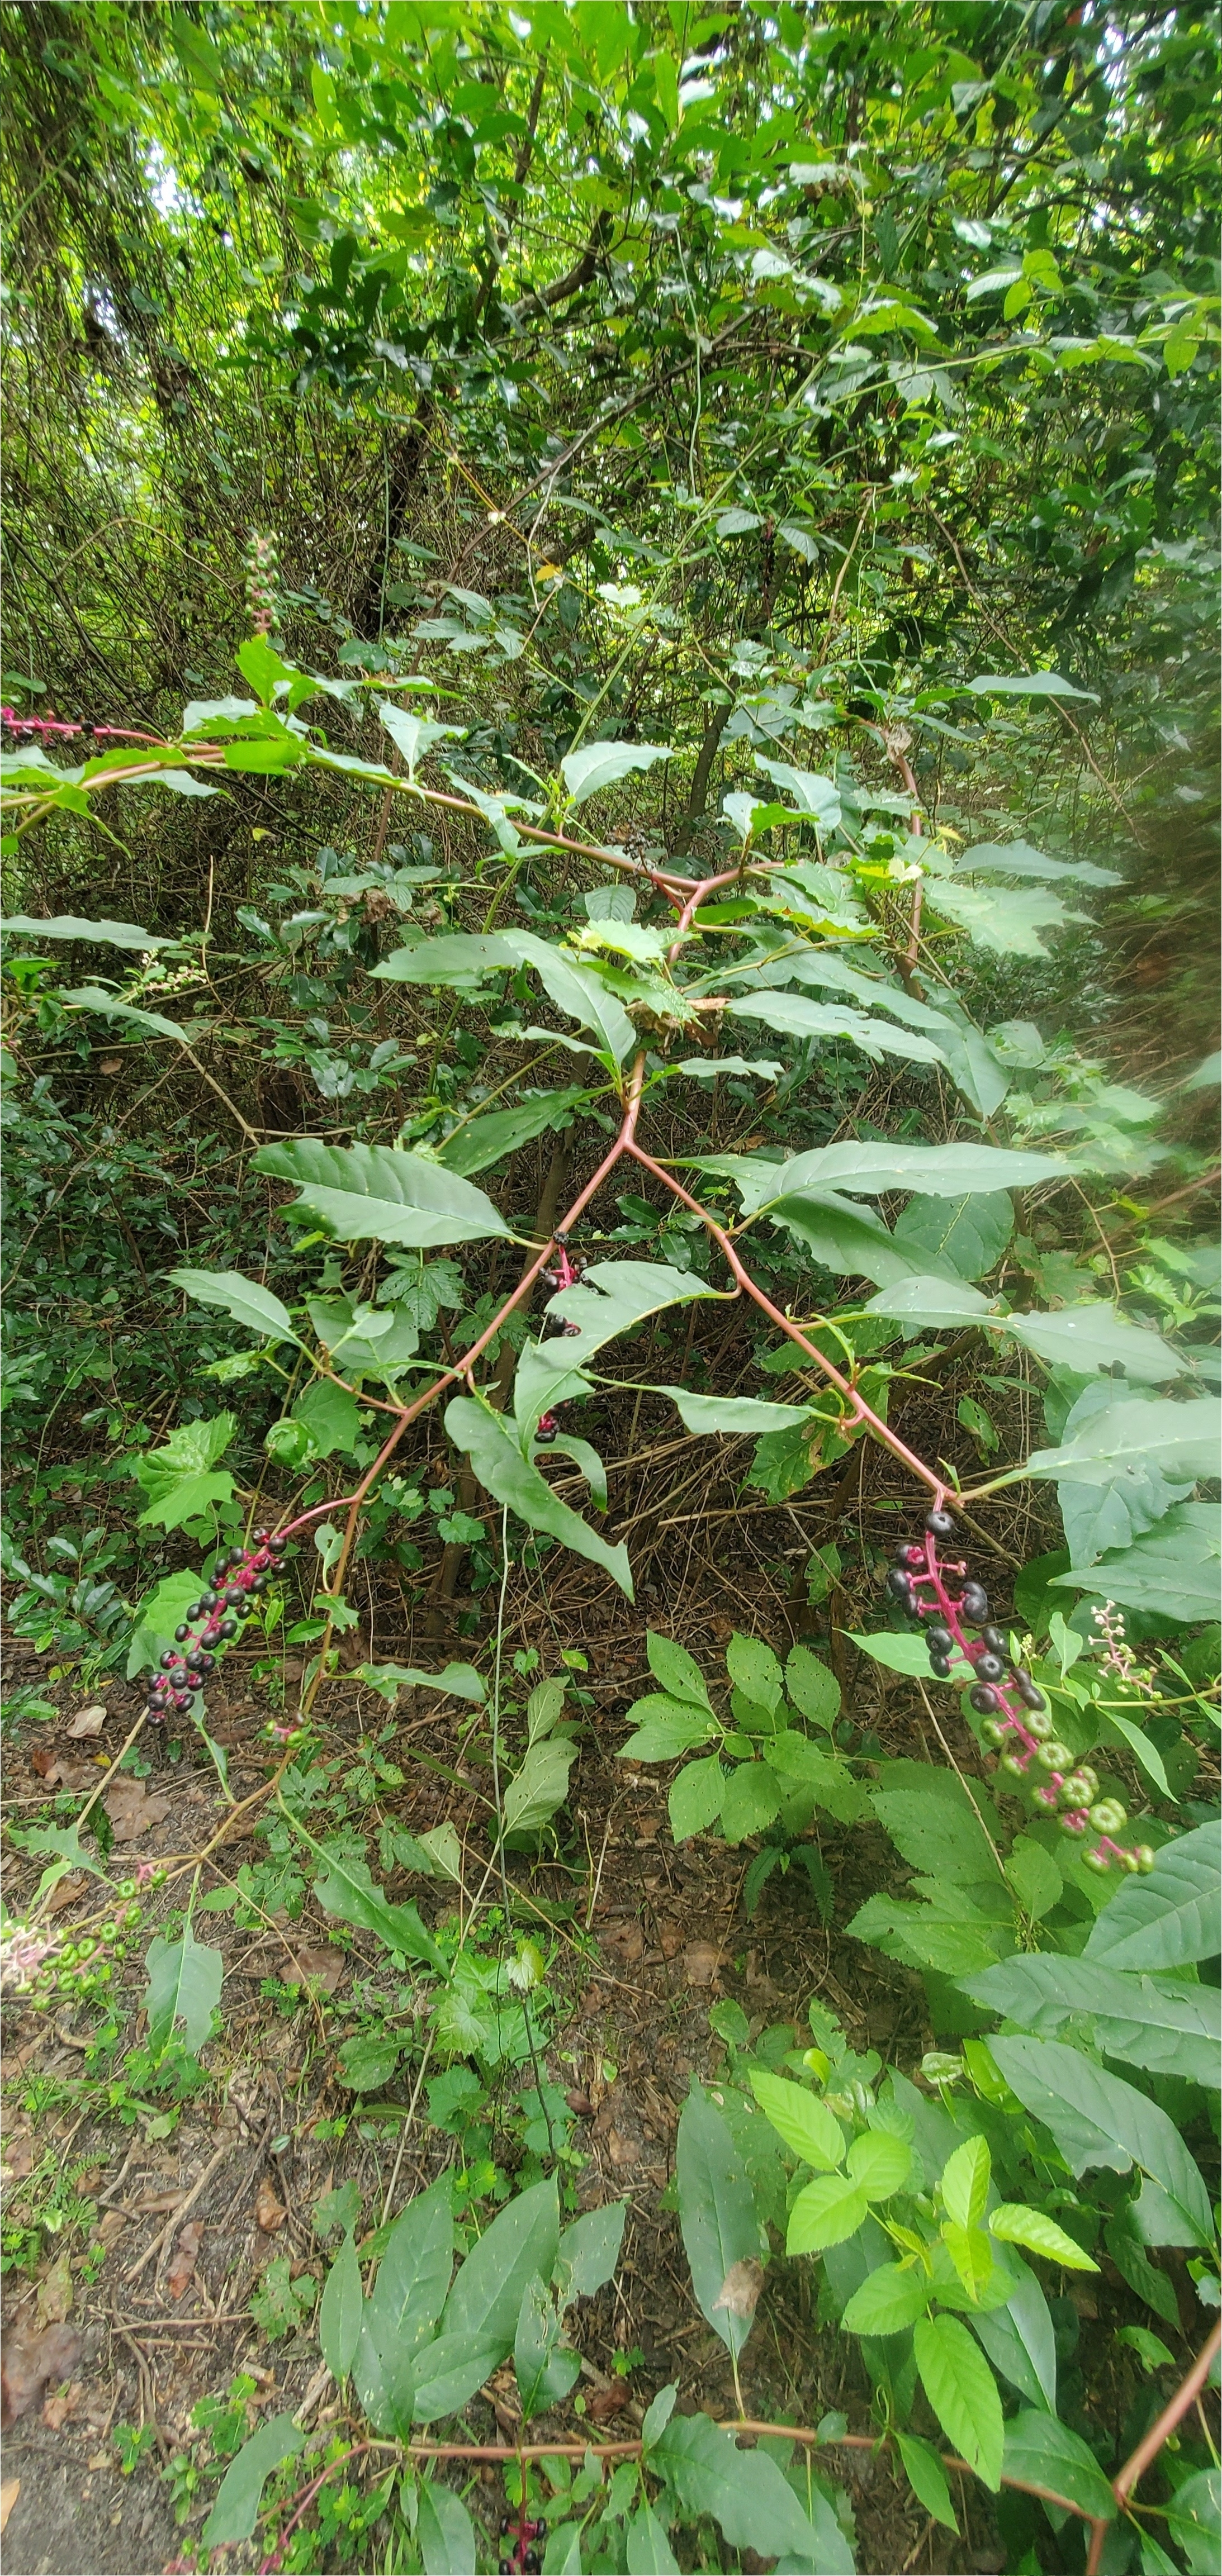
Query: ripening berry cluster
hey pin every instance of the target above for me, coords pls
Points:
(262, 583)
(525, 2556)
(944, 1594)
(236, 1583)
(86, 1966)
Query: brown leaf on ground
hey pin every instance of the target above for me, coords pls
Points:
(670, 1939)
(54, 2301)
(111, 2228)
(57, 2409)
(89, 1721)
(740, 2290)
(19, 2156)
(701, 1960)
(606, 2402)
(270, 2212)
(622, 2149)
(131, 1810)
(9, 2493)
(627, 1941)
(322, 1966)
(66, 1893)
(158, 2203)
(179, 2274)
(56, 1771)
(29, 2362)
(580, 2105)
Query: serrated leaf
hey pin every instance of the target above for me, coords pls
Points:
(889, 2299)
(716, 2211)
(880, 2163)
(808, 2128)
(662, 1737)
(381, 1192)
(962, 2392)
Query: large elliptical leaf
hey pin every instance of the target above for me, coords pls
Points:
(716, 2212)
(1170, 1918)
(381, 1192)
(502, 1467)
(870, 1171)
(1098, 2120)
(602, 764)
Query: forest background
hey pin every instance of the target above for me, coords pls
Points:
(609, 704)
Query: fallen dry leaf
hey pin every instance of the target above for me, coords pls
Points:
(622, 2150)
(627, 1940)
(606, 2402)
(57, 2409)
(740, 2291)
(66, 1893)
(9, 2493)
(90, 1721)
(111, 2228)
(580, 2105)
(55, 1771)
(131, 1810)
(19, 2158)
(321, 1966)
(30, 2361)
(158, 2203)
(701, 1960)
(183, 2265)
(670, 1939)
(270, 2212)
(54, 2301)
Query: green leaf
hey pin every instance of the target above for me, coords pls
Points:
(1170, 1918)
(69, 925)
(829, 2209)
(499, 1464)
(602, 764)
(879, 2163)
(234, 2513)
(347, 1890)
(244, 1299)
(457, 1681)
(184, 1985)
(1018, 859)
(1034, 684)
(716, 2211)
(380, 1191)
(849, 1240)
(1042, 2452)
(158, 1617)
(448, 2372)
(648, 2551)
(733, 1415)
(611, 1298)
(545, 2368)
(927, 2478)
(972, 2256)
(1180, 1438)
(814, 1690)
(187, 1498)
(540, 1786)
(521, 2245)
(1034, 1876)
(812, 795)
(967, 1235)
(367, 2062)
(937, 1831)
(413, 2277)
(1157, 2022)
(796, 1016)
(749, 2496)
(694, 1798)
(330, 1416)
(590, 2250)
(966, 2176)
(962, 2392)
(1012, 2224)
(1008, 923)
(339, 2312)
(1194, 2520)
(481, 1141)
(665, 1728)
(750, 1801)
(889, 2299)
(1098, 2120)
(754, 1670)
(800, 2118)
(678, 1672)
(414, 735)
(1096, 1336)
(871, 1171)
(461, 960)
(899, 1654)
(927, 1303)
(444, 2530)
(1173, 1569)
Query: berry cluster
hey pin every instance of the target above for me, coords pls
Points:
(40, 1966)
(566, 1274)
(944, 1594)
(525, 2556)
(262, 583)
(234, 1586)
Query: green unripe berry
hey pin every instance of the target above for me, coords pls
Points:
(68, 1955)
(133, 1918)
(1038, 1722)
(1073, 1824)
(1109, 1817)
(127, 1887)
(1096, 1860)
(1054, 1755)
(1144, 1857)
(1082, 1785)
(85, 1949)
(1128, 1860)
(1014, 1764)
(108, 1932)
(160, 1876)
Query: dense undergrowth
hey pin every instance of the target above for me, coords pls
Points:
(609, 979)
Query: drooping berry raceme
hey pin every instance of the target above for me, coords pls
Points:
(521, 2544)
(262, 583)
(567, 1273)
(943, 1594)
(227, 1599)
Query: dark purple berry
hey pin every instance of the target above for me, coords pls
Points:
(277, 1545)
(182, 1633)
(940, 1641)
(228, 1628)
(913, 1556)
(233, 1593)
(207, 1600)
(901, 1585)
(207, 1663)
(182, 1699)
(169, 1659)
(262, 1537)
(260, 1583)
(1028, 1691)
(990, 1667)
(236, 1556)
(995, 1641)
(939, 1665)
(975, 1602)
(984, 1700)
(939, 1524)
